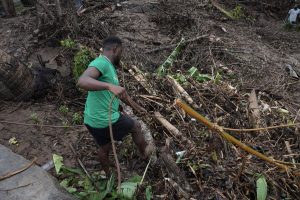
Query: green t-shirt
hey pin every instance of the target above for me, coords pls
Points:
(96, 111)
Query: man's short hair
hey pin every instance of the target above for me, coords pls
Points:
(110, 41)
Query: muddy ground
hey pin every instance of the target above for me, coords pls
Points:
(251, 53)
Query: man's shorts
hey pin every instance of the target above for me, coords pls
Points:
(120, 128)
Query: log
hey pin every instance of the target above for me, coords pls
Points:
(180, 91)
(173, 130)
(173, 170)
(145, 129)
(18, 82)
(254, 114)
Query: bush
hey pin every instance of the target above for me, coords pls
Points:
(237, 12)
(81, 61)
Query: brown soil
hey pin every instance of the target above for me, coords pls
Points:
(249, 56)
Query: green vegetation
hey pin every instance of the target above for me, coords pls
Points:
(96, 187)
(163, 69)
(77, 118)
(261, 187)
(68, 43)
(64, 109)
(83, 56)
(34, 118)
(81, 61)
(237, 12)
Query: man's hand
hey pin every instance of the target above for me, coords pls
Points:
(120, 92)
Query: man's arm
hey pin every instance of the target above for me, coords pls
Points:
(88, 81)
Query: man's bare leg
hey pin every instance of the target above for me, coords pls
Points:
(103, 153)
(139, 139)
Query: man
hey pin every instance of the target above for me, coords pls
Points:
(101, 81)
(293, 15)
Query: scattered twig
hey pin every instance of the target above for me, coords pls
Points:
(145, 171)
(260, 129)
(40, 125)
(174, 45)
(178, 188)
(10, 174)
(10, 189)
(228, 137)
(80, 162)
(141, 78)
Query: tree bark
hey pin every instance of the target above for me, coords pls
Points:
(18, 82)
(9, 8)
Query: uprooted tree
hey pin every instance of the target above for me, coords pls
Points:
(19, 82)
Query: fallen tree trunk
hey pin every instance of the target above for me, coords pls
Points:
(173, 130)
(173, 170)
(180, 91)
(18, 82)
(254, 114)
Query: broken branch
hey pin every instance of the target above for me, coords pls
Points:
(180, 91)
(10, 174)
(227, 136)
(174, 45)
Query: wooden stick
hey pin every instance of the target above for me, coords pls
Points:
(288, 147)
(10, 174)
(80, 162)
(228, 137)
(172, 46)
(260, 129)
(254, 114)
(41, 125)
(145, 171)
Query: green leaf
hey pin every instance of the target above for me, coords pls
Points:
(149, 193)
(109, 187)
(217, 78)
(135, 179)
(203, 77)
(161, 71)
(128, 189)
(72, 170)
(261, 187)
(65, 183)
(193, 71)
(57, 162)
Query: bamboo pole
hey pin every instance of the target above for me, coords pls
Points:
(227, 136)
